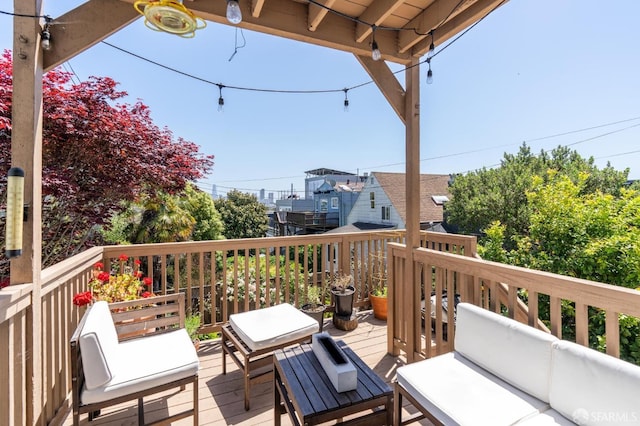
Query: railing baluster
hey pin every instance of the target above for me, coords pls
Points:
(612, 330)
(582, 324)
(555, 312)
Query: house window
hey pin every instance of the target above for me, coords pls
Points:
(334, 202)
(324, 205)
(372, 198)
(386, 212)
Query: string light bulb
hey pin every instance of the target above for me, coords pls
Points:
(429, 72)
(375, 52)
(234, 14)
(346, 100)
(220, 99)
(432, 47)
(45, 36)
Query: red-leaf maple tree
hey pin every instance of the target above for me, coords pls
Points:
(97, 153)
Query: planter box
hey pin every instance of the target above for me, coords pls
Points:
(341, 372)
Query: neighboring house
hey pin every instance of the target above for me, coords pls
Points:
(316, 177)
(382, 201)
(336, 199)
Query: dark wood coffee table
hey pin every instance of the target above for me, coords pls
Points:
(302, 389)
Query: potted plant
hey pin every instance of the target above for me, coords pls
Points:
(126, 282)
(314, 304)
(342, 290)
(192, 325)
(378, 291)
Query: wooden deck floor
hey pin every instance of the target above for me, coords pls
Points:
(221, 396)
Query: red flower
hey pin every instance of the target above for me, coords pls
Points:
(82, 299)
(123, 258)
(99, 266)
(147, 281)
(146, 294)
(5, 282)
(104, 276)
(137, 262)
(138, 274)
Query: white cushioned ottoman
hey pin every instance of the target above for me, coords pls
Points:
(272, 326)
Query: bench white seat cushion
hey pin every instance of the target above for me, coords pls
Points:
(145, 363)
(515, 352)
(593, 387)
(458, 392)
(548, 418)
(272, 326)
(97, 339)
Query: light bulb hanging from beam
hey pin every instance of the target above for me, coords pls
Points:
(220, 99)
(346, 100)
(432, 47)
(375, 52)
(429, 72)
(234, 14)
(15, 212)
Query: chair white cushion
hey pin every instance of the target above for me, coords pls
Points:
(98, 342)
(145, 363)
(593, 387)
(458, 392)
(549, 417)
(272, 326)
(515, 352)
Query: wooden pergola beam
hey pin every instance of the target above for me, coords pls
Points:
(317, 13)
(387, 82)
(453, 26)
(84, 26)
(375, 14)
(26, 152)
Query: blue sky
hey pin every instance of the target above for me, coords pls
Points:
(532, 69)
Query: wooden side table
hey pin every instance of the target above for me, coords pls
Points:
(302, 389)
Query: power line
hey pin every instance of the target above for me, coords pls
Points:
(476, 151)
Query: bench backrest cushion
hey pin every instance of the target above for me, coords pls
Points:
(98, 345)
(515, 352)
(592, 388)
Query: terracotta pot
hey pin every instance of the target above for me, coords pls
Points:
(379, 304)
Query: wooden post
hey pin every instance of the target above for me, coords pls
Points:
(26, 152)
(411, 302)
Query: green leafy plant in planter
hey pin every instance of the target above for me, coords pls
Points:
(378, 290)
(192, 325)
(314, 305)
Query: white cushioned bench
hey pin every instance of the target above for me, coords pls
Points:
(254, 335)
(503, 372)
(106, 371)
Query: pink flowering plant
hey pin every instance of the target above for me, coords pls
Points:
(128, 284)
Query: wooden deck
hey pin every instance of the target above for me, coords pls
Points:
(221, 396)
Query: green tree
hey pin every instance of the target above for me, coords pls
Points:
(573, 232)
(187, 216)
(200, 205)
(499, 195)
(243, 215)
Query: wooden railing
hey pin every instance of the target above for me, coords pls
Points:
(199, 269)
(18, 383)
(510, 290)
(220, 278)
(218, 271)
